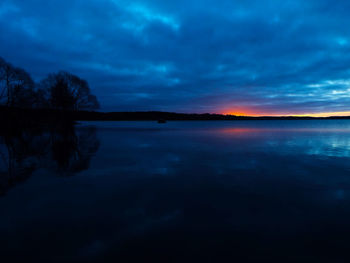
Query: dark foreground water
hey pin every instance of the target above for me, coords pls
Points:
(253, 191)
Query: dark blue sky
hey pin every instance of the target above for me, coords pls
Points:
(248, 56)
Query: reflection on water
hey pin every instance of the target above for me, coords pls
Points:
(57, 148)
(254, 191)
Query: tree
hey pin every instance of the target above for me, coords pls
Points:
(59, 91)
(16, 86)
(6, 76)
(69, 92)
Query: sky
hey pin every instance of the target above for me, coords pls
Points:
(243, 57)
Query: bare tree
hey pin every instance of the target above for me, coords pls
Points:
(60, 91)
(6, 75)
(69, 92)
(16, 86)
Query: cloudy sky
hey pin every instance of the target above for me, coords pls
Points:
(254, 57)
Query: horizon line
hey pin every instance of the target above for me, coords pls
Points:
(310, 115)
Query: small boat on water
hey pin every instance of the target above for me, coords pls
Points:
(161, 121)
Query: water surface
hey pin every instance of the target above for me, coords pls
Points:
(213, 191)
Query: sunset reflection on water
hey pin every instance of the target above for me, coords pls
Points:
(211, 190)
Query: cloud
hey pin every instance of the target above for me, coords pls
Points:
(189, 56)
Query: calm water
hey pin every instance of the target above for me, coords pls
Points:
(263, 191)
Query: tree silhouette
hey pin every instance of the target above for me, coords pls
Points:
(62, 90)
(16, 86)
(69, 92)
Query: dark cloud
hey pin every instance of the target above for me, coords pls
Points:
(271, 56)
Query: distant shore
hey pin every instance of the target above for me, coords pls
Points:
(20, 114)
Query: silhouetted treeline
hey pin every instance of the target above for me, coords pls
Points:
(39, 116)
(60, 91)
(170, 116)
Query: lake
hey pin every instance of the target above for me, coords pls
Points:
(217, 191)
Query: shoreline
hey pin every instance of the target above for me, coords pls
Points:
(43, 115)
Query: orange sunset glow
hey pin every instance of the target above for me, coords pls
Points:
(260, 113)
(243, 111)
